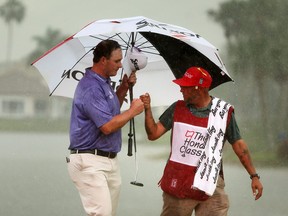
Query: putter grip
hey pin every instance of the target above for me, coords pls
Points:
(130, 145)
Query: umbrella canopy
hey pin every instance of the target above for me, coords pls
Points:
(169, 49)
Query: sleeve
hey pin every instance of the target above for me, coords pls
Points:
(96, 107)
(166, 118)
(232, 131)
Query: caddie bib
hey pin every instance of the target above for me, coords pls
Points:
(189, 139)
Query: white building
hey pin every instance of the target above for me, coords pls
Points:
(25, 95)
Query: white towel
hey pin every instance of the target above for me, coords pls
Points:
(210, 162)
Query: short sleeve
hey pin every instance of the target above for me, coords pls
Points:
(232, 131)
(166, 118)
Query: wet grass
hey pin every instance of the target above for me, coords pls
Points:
(262, 154)
(34, 125)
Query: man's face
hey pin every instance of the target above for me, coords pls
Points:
(190, 94)
(113, 64)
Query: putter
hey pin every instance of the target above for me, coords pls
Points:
(130, 143)
(137, 183)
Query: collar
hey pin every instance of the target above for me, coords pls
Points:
(97, 76)
(207, 108)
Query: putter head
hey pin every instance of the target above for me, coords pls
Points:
(137, 183)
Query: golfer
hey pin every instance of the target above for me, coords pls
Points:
(95, 131)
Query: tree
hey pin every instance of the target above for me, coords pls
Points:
(51, 38)
(257, 37)
(11, 10)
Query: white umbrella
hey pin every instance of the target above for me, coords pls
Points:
(170, 50)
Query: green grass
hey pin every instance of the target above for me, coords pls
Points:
(34, 125)
(262, 154)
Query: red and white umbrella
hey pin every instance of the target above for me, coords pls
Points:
(170, 50)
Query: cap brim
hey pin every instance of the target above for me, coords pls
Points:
(183, 82)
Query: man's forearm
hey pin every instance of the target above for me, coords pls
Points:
(242, 151)
(150, 124)
(121, 93)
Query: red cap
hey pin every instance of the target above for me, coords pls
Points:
(195, 76)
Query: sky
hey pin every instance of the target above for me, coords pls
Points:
(69, 16)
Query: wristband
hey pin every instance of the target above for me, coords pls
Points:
(254, 175)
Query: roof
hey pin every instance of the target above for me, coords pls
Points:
(26, 82)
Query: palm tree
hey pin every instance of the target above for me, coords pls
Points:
(11, 10)
(51, 38)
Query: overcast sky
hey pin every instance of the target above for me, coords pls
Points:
(70, 16)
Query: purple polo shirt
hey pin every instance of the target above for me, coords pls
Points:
(94, 104)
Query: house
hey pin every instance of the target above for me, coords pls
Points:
(24, 94)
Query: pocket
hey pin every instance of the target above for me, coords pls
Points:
(172, 181)
(177, 180)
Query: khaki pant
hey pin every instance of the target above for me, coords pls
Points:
(216, 205)
(98, 181)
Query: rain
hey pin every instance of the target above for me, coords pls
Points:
(34, 127)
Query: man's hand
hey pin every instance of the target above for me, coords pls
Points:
(125, 85)
(257, 188)
(146, 100)
(129, 81)
(137, 106)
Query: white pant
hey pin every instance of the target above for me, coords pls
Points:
(98, 181)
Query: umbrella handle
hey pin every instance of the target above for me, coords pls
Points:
(130, 140)
(130, 144)
(132, 129)
(131, 92)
